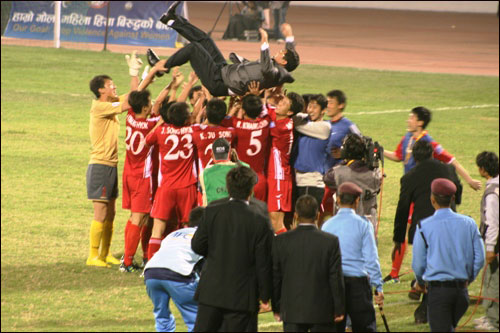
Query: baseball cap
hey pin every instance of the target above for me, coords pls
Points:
(221, 149)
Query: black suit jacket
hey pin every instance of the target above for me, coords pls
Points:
(236, 242)
(237, 76)
(416, 187)
(307, 273)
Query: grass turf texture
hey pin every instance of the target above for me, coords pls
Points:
(46, 215)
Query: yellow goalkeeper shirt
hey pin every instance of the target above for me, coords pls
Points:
(104, 128)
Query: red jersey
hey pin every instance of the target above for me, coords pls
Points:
(281, 147)
(204, 136)
(252, 143)
(138, 160)
(177, 155)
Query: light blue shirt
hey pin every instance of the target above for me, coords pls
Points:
(175, 253)
(451, 248)
(357, 244)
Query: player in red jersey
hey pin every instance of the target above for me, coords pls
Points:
(252, 144)
(176, 194)
(137, 188)
(279, 172)
(205, 135)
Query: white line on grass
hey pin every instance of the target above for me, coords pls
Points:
(446, 108)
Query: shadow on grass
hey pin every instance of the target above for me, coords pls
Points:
(64, 276)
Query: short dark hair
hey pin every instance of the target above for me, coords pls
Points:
(178, 114)
(193, 90)
(423, 114)
(164, 111)
(98, 82)
(292, 60)
(252, 105)
(216, 111)
(195, 216)
(353, 147)
(320, 99)
(489, 162)
(422, 150)
(339, 95)
(138, 100)
(443, 200)
(306, 207)
(296, 102)
(347, 198)
(240, 182)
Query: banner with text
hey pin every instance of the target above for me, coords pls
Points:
(130, 22)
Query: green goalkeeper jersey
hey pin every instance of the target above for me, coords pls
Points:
(213, 181)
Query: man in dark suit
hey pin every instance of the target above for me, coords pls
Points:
(236, 241)
(416, 188)
(307, 273)
(215, 74)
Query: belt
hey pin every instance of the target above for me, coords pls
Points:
(355, 278)
(449, 284)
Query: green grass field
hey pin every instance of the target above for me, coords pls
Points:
(46, 215)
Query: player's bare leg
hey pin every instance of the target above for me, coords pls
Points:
(277, 219)
(156, 236)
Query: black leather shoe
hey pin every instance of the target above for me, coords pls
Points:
(153, 59)
(170, 14)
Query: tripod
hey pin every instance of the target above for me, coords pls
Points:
(220, 13)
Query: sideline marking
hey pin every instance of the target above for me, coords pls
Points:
(482, 106)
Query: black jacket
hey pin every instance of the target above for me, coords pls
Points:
(237, 76)
(307, 273)
(416, 187)
(236, 242)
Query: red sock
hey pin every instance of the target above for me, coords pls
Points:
(126, 229)
(131, 243)
(282, 230)
(154, 246)
(145, 236)
(398, 260)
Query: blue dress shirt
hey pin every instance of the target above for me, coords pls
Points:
(451, 248)
(357, 244)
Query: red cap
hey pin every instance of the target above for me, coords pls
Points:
(443, 186)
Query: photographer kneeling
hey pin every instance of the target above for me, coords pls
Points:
(360, 166)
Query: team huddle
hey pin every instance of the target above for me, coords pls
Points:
(208, 184)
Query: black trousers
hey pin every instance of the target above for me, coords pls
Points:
(359, 305)
(446, 305)
(292, 327)
(204, 56)
(316, 192)
(213, 319)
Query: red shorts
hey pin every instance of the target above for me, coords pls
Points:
(137, 195)
(178, 202)
(279, 196)
(327, 203)
(260, 189)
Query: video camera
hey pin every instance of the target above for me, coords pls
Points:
(362, 147)
(374, 153)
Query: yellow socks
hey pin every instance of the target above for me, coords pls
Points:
(107, 235)
(96, 233)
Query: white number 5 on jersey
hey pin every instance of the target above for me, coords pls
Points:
(254, 142)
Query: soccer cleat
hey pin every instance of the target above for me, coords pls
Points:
(153, 59)
(128, 269)
(170, 14)
(480, 320)
(144, 262)
(96, 262)
(112, 260)
(485, 326)
(389, 279)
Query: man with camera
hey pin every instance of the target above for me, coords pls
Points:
(359, 167)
